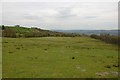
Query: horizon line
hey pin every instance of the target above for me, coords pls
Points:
(55, 29)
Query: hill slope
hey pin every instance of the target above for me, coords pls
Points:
(33, 32)
(52, 57)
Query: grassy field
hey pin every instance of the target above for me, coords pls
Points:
(52, 57)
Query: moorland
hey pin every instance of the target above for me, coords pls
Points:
(37, 53)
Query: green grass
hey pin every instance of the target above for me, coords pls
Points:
(20, 29)
(51, 57)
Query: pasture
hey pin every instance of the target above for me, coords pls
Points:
(58, 57)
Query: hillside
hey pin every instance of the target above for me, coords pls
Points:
(17, 31)
(10, 31)
(52, 57)
(57, 54)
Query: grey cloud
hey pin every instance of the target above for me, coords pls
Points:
(32, 17)
(62, 15)
(91, 17)
(65, 12)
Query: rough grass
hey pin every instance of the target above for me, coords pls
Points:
(52, 57)
(20, 29)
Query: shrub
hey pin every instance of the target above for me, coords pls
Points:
(9, 33)
(107, 38)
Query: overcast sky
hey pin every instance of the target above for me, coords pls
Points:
(61, 15)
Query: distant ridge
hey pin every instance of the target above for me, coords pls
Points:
(89, 32)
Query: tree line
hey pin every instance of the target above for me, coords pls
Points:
(107, 38)
(17, 31)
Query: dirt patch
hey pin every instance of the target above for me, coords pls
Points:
(102, 74)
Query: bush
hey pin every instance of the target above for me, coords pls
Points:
(3, 27)
(107, 38)
(9, 33)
